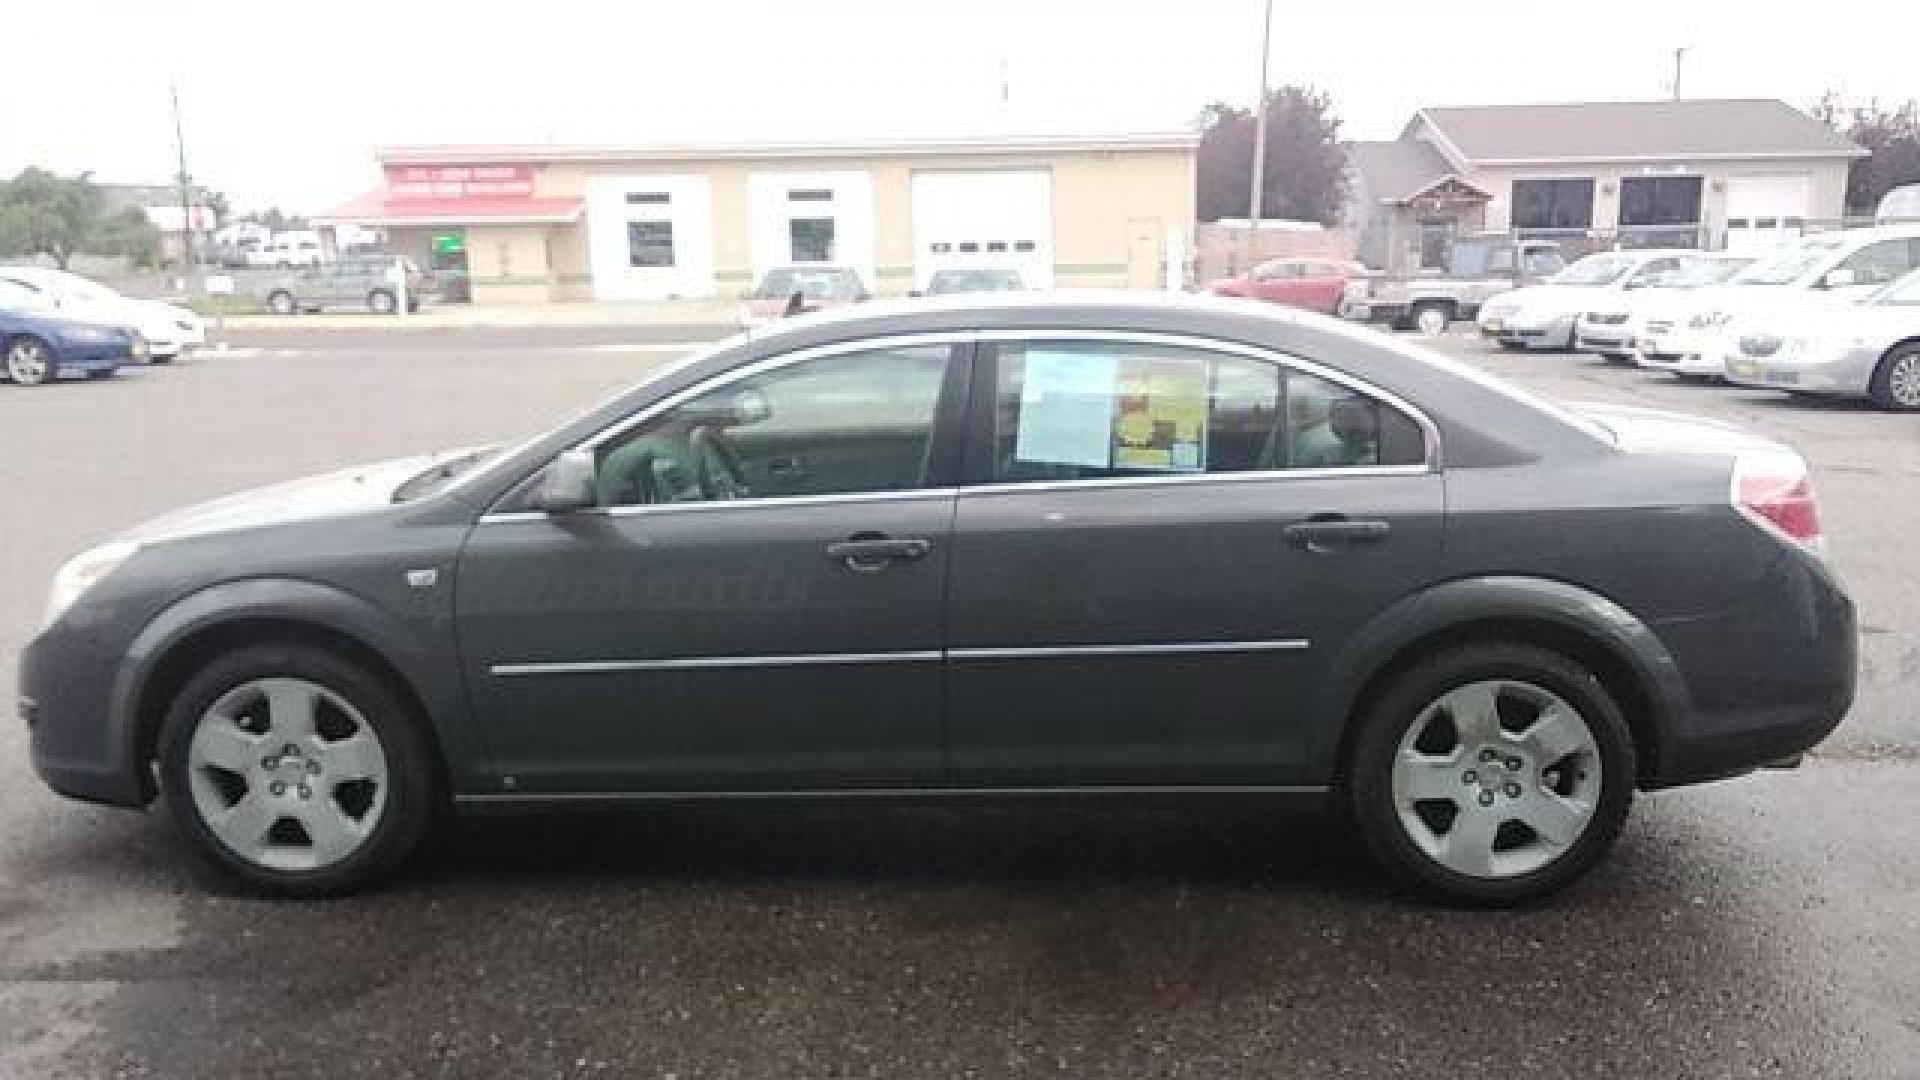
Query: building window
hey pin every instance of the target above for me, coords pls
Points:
(1660, 211)
(1023, 245)
(996, 245)
(968, 247)
(940, 248)
(650, 243)
(648, 198)
(811, 239)
(1553, 204)
(810, 195)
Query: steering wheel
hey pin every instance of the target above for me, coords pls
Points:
(716, 468)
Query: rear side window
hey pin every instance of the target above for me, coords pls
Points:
(1081, 410)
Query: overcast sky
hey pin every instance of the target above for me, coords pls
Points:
(286, 108)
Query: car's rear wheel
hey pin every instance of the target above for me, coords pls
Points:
(1491, 773)
(295, 771)
(380, 302)
(281, 303)
(29, 361)
(1896, 382)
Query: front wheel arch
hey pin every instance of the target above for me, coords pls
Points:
(171, 671)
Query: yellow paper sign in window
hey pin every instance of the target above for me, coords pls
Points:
(1160, 418)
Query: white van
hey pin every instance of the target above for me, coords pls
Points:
(300, 247)
(1825, 268)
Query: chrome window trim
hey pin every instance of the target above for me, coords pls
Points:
(1034, 652)
(720, 505)
(1429, 431)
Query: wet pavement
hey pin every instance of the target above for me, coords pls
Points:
(1764, 926)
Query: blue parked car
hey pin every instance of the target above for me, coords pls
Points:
(37, 345)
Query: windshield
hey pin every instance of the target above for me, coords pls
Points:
(1786, 267)
(958, 281)
(813, 284)
(1697, 273)
(17, 297)
(1596, 270)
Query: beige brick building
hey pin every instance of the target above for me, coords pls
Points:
(538, 223)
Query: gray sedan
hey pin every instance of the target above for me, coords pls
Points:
(1091, 546)
(1865, 350)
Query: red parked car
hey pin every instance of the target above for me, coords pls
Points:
(1314, 284)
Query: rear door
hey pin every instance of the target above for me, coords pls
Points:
(1160, 545)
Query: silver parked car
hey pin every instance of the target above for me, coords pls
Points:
(1870, 349)
(353, 283)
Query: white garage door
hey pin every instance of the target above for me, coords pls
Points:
(1765, 210)
(650, 237)
(984, 218)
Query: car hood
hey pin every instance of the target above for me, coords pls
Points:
(1559, 298)
(153, 318)
(1650, 431)
(364, 487)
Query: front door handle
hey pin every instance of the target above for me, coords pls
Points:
(1323, 532)
(864, 553)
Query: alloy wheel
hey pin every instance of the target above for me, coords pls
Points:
(1496, 778)
(1903, 381)
(287, 774)
(28, 363)
(1431, 321)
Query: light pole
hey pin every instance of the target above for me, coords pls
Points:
(186, 193)
(1259, 133)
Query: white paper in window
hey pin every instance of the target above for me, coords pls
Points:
(1066, 409)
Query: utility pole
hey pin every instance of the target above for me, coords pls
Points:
(186, 191)
(1678, 53)
(1259, 133)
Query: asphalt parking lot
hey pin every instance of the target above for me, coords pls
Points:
(1766, 926)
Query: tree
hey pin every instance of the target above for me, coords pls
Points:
(129, 235)
(1306, 169)
(44, 213)
(1891, 137)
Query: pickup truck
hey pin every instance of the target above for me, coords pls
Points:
(1478, 268)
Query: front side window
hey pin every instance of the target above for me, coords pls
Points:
(830, 425)
(1594, 271)
(649, 243)
(1079, 410)
(1879, 263)
(1902, 293)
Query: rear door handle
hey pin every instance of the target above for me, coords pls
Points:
(1320, 533)
(865, 553)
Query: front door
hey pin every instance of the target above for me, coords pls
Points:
(757, 603)
(1163, 546)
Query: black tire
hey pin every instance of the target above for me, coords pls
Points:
(413, 795)
(26, 374)
(1514, 346)
(1882, 388)
(280, 302)
(381, 302)
(1695, 378)
(1425, 307)
(1369, 782)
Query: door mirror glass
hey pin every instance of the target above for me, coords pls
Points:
(567, 483)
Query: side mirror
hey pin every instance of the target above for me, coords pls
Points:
(1838, 278)
(567, 484)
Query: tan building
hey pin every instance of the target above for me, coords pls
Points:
(539, 223)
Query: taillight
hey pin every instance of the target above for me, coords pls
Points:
(1773, 490)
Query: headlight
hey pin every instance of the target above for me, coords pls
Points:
(1708, 320)
(83, 572)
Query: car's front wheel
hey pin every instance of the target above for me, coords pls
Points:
(1491, 773)
(1896, 381)
(29, 361)
(380, 302)
(296, 771)
(281, 303)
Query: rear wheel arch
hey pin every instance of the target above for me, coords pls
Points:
(1629, 662)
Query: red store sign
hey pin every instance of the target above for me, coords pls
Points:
(459, 181)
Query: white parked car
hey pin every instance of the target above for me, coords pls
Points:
(1613, 330)
(1870, 349)
(169, 329)
(1543, 316)
(301, 247)
(1822, 270)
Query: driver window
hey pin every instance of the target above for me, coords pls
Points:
(837, 424)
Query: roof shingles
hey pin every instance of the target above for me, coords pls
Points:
(1637, 131)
